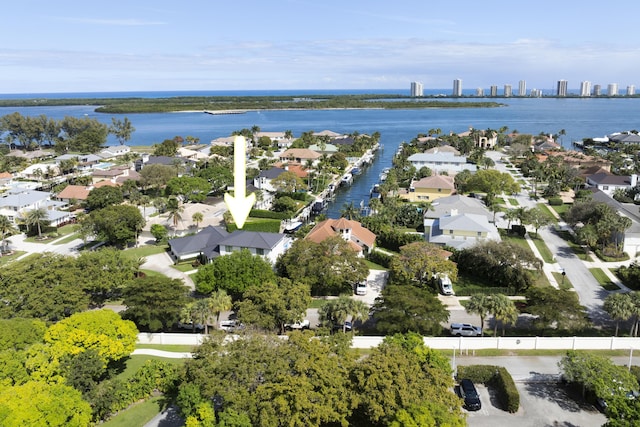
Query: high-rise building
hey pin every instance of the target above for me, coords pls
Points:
(612, 89)
(522, 88)
(457, 87)
(597, 90)
(585, 88)
(494, 91)
(631, 90)
(562, 88)
(479, 92)
(416, 89)
(507, 91)
(535, 93)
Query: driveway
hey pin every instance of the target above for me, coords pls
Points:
(162, 263)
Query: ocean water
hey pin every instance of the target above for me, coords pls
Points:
(579, 117)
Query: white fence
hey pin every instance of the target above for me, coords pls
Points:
(449, 343)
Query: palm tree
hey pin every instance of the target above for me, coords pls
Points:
(174, 208)
(144, 202)
(335, 312)
(479, 304)
(510, 215)
(6, 229)
(197, 217)
(619, 307)
(202, 312)
(503, 310)
(359, 310)
(37, 217)
(349, 211)
(219, 301)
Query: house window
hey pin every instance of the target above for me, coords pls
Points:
(439, 190)
(228, 248)
(479, 233)
(451, 231)
(259, 251)
(605, 187)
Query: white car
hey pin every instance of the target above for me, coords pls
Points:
(230, 325)
(303, 324)
(446, 287)
(465, 330)
(361, 288)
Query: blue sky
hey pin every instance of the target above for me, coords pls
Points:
(73, 46)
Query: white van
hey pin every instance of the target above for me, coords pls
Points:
(446, 287)
(361, 288)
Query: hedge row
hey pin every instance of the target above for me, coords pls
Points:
(261, 213)
(380, 258)
(496, 377)
(265, 226)
(555, 201)
(301, 196)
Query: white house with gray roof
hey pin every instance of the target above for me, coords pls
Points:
(17, 202)
(441, 161)
(264, 178)
(214, 241)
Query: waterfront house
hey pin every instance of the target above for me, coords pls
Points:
(442, 149)
(215, 241)
(300, 155)
(279, 138)
(114, 151)
(360, 238)
(441, 162)
(430, 188)
(459, 221)
(482, 138)
(264, 178)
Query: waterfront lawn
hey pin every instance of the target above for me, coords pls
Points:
(603, 279)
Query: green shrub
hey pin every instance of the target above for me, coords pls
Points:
(506, 390)
(496, 377)
(261, 213)
(555, 201)
(379, 258)
(266, 226)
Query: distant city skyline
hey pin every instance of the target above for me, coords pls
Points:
(304, 44)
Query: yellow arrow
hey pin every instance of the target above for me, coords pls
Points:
(240, 204)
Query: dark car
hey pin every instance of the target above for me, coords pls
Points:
(470, 395)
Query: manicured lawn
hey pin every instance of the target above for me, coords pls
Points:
(563, 282)
(544, 208)
(184, 267)
(69, 238)
(603, 279)
(374, 266)
(136, 361)
(258, 224)
(4, 260)
(513, 202)
(138, 414)
(546, 254)
(562, 209)
(152, 273)
(144, 251)
(317, 302)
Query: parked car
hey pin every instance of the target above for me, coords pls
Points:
(230, 325)
(446, 287)
(465, 330)
(303, 324)
(470, 395)
(189, 326)
(361, 288)
(339, 328)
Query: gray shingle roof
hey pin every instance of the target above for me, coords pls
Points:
(253, 239)
(207, 240)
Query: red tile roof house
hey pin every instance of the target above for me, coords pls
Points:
(360, 239)
(73, 192)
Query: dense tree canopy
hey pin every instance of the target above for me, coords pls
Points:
(500, 264)
(418, 263)
(154, 303)
(118, 225)
(102, 197)
(408, 308)
(307, 262)
(559, 308)
(235, 273)
(191, 189)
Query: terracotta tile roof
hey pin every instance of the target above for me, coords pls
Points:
(435, 181)
(104, 183)
(300, 153)
(298, 170)
(78, 192)
(331, 227)
(5, 175)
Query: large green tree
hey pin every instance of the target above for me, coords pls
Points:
(38, 217)
(307, 262)
(191, 189)
(271, 305)
(121, 129)
(40, 404)
(119, 224)
(235, 273)
(559, 308)
(418, 263)
(408, 308)
(102, 197)
(154, 303)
